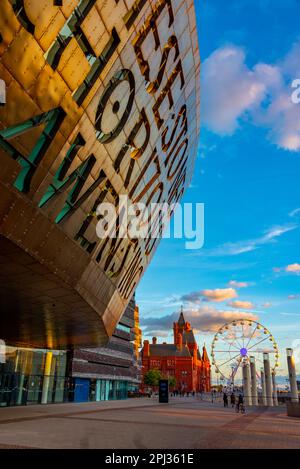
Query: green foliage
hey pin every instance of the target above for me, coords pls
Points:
(152, 377)
(172, 381)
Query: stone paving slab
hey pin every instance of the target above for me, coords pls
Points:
(144, 423)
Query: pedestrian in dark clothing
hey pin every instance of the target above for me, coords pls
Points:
(232, 400)
(225, 399)
(240, 403)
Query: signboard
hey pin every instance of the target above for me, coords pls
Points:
(163, 391)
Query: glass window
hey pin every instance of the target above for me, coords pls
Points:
(92, 392)
(106, 389)
(59, 389)
(98, 390)
(34, 389)
(121, 327)
(121, 389)
(22, 376)
(111, 393)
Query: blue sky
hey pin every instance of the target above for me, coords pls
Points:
(247, 175)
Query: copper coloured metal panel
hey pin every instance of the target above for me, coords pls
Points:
(108, 91)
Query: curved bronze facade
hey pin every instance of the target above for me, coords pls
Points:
(102, 99)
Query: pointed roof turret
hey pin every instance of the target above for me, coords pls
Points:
(204, 354)
(181, 320)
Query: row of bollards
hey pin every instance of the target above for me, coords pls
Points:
(268, 381)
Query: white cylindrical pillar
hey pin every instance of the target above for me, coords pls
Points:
(246, 384)
(263, 387)
(292, 374)
(253, 381)
(46, 381)
(268, 378)
(275, 398)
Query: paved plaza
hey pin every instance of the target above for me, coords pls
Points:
(144, 423)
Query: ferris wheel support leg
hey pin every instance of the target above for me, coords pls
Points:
(253, 381)
(246, 384)
(292, 374)
(263, 387)
(275, 398)
(268, 378)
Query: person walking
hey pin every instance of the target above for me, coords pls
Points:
(240, 403)
(232, 400)
(225, 399)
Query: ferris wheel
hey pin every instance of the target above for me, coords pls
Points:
(235, 342)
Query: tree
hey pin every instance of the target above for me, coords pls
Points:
(172, 381)
(152, 377)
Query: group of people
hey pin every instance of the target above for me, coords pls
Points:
(238, 402)
(183, 393)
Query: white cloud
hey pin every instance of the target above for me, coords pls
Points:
(205, 149)
(295, 212)
(291, 268)
(295, 268)
(240, 247)
(193, 297)
(229, 89)
(290, 314)
(219, 294)
(203, 319)
(234, 283)
(267, 304)
(239, 304)
(232, 92)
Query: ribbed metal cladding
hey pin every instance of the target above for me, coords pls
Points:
(117, 359)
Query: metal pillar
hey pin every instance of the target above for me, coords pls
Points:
(2, 351)
(268, 379)
(246, 384)
(292, 375)
(46, 381)
(253, 381)
(263, 387)
(275, 398)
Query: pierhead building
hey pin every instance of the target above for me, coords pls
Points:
(181, 359)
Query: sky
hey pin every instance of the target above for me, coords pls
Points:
(247, 175)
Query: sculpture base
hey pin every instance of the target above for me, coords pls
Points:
(293, 409)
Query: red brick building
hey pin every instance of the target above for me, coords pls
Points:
(181, 359)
